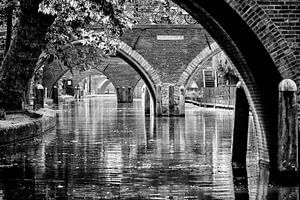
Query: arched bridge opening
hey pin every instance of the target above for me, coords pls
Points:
(243, 30)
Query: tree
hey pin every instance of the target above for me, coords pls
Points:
(226, 71)
(7, 15)
(47, 26)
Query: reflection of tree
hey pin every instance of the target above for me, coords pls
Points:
(16, 188)
(23, 164)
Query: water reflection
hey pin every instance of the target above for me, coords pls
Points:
(101, 150)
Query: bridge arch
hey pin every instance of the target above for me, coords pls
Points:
(132, 57)
(144, 69)
(56, 72)
(137, 91)
(86, 74)
(252, 46)
(103, 85)
(197, 62)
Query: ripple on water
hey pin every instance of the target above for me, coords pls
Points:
(103, 151)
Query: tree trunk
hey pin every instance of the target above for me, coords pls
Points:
(20, 61)
(9, 27)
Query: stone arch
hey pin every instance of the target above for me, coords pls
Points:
(192, 83)
(197, 62)
(254, 19)
(95, 72)
(85, 75)
(138, 89)
(253, 29)
(144, 69)
(132, 57)
(53, 74)
(103, 85)
(139, 83)
(51, 77)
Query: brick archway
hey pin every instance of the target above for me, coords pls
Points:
(197, 62)
(103, 85)
(139, 84)
(144, 69)
(252, 41)
(54, 72)
(132, 57)
(78, 79)
(252, 15)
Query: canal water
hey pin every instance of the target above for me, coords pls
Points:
(104, 150)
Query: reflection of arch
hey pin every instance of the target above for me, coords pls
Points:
(250, 50)
(197, 62)
(102, 87)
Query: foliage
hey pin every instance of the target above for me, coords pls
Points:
(224, 67)
(5, 5)
(96, 24)
(158, 12)
(2, 114)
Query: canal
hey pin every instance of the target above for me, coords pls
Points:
(101, 150)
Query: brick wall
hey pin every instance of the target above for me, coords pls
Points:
(285, 14)
(169, 57)
(122, 75)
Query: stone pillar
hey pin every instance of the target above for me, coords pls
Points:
(240, 129)
(39, 97)
(125, 95)
(288, 139)
(46, 93)
(147, 102)
(152, 106)
(169, 100)
(119, 94)
(158, 100)
(123, 100)
(171, 91)
(165, 100)
(130, 95)
(90, 85)
(54, 95)
(182, 101)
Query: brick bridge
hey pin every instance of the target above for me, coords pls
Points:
(261, 38)
(120, 74)
(160, 55)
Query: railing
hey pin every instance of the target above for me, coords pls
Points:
(222, 97)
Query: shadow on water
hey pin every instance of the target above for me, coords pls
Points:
(101, 150)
